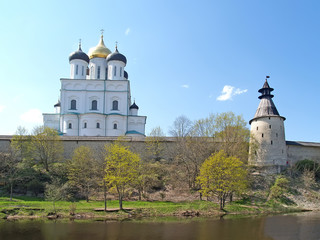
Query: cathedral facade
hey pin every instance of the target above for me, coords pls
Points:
(96, 99)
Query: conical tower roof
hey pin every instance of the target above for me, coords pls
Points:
(266, 107)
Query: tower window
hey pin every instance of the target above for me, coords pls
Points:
(115, 105)
(276, 134)
(257, 128)
(269, 118)
(82, 71)
(98, 74)
(109, 72)
(98, 125)
(115, 126)
(77, 68)
(115, 71)
(91, 72)
(106, 76)
(270, 126)
(94, 105)
(120, 71)
(262, 134)
(271, 142)
(85, 125)
(73, 105)
(70, 125)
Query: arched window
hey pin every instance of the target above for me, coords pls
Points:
(106, 77)
(120, 71)
(77, 68)
(82, 70)
(91, 72)
(115, 71)
(94, 105)
(98, 74)
(70, 125)
(115, 105)
(73, 105)
(115, 126)
(85, 125)
(98, 125)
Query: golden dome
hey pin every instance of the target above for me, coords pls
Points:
(99, 51)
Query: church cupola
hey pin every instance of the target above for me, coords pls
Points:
(100, 51)
(78, 63)
(98, 63)
(126, 76)
(116, 63)
(57, 107)
(267, 143)
(134, 109)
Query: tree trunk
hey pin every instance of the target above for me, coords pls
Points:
(120, 202)
(11, 190)
(221, 201)
(105, 195)
(231, 197)
(140, 193)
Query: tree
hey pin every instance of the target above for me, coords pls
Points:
(155, 143)
(82, 170)
(46, 146)
(189, 154)
(121, 169)
(205, 127)
(9, 168)
(181, 127)
(233, 134)
(221, 175)
(54, 192)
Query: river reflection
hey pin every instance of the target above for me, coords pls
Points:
(282, 227)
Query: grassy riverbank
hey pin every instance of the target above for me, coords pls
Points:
(27, 207)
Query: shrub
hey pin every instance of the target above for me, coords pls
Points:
(279, 188)
(308, 165)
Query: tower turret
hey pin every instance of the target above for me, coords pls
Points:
(78, 63)
(98, 63)
(116, 63)
(267, 143)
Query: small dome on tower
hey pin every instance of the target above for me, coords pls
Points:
(79, 55)
(116, 56)
(125, 75)
(100, 50)
(134, 106)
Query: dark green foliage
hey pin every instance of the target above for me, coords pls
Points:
(308, 165)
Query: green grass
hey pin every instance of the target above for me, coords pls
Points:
(30, 206)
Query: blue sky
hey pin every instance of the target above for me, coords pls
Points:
(181, 56)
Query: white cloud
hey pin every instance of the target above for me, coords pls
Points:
(127, 31)
(2, 107)
(32, 116)
(229, 91)
(185, 86)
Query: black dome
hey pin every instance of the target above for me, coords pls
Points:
(134, 105)
(79, 55)
(125, 75)
(116, 56)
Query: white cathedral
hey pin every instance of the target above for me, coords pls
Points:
(96, 99)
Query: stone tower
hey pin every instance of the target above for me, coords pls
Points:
(268, 144)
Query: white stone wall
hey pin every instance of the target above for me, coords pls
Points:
(300, 152)
(269, 146)
(52, 120)
(116, 70)
(82, 69)
(94, 64)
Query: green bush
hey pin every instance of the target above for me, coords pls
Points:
(279, 188)
(308, 165)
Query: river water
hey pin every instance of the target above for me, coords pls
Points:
(302, 226)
